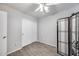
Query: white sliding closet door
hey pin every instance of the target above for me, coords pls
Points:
(3, 33)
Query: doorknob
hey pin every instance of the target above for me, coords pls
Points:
(4, 37)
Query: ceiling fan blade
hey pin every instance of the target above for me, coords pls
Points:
(40, 8)
(37, 9)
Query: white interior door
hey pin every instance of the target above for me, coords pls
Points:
(27, 30)
(3, 33)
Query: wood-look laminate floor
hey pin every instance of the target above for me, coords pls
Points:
(36, 49)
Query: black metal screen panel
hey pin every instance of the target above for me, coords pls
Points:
(75, 34)
(62, 42)
(68, 35)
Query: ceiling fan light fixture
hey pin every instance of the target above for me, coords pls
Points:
(44, 7)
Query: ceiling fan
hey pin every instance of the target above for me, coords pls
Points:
(44, 7)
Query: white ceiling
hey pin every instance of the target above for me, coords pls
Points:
(29, 8)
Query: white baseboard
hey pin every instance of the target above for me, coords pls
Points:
(48, 44)
(37, 41)
(14, 50)
(28, 43)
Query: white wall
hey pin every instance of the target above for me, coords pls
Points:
(15, 28)
(48, 28)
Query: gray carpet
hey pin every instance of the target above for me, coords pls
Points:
(36, 49)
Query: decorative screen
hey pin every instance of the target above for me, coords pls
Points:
(63, 36)
(68, 36)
